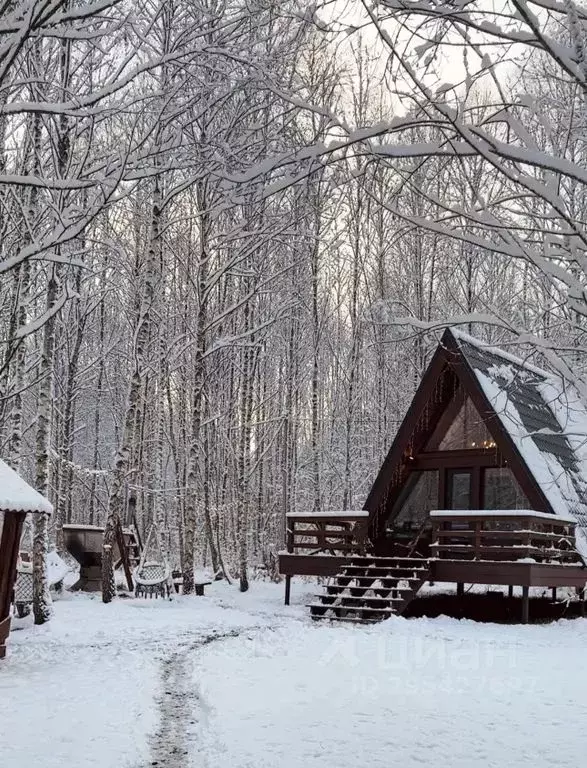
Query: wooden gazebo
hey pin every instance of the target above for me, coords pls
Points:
(17, 498)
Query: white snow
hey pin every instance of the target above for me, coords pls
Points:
(342, 515)
(18, 496)
(499, 513)
(260, 685)
(57, 569)
(407, 693)
(76, 527)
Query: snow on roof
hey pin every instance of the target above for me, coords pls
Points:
(80, 527)
(18, 496)
(501, 353)
(545, 419)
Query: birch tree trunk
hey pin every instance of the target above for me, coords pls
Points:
(194, 448)
(126, 448)
(246, 403)
(98, 404)
(41, 596)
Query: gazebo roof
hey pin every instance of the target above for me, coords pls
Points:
(16, 495)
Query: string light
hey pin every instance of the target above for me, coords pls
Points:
(483, 444)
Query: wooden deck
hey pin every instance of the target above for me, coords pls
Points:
(525, 549)
(485, 535)
(453, 571)
(319, 544)
(514, 574)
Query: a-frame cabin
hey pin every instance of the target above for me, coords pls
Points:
(485, 483)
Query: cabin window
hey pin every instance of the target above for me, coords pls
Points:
(419, 497)
(468, 430)
(459, 489)
(501, 490)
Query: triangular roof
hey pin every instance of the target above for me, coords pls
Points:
(16, 495)
(537, 420)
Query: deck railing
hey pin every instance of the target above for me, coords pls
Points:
(508, 536)
(327, 533)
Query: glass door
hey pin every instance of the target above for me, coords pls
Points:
(458, 489)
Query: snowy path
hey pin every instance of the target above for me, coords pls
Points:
(114, 686)
(180, 708)
(177, 707)
(239, 681)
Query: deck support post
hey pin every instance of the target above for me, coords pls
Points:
(511, 591)
(460, 589)
(525, 604)
(554, 594)
(581, 602)
(287, 589)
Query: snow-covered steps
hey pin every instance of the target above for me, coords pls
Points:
(370, 589)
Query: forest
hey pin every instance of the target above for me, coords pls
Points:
(232, 232)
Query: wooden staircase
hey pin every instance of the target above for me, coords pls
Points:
(371, 589)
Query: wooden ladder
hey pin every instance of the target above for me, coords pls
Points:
(371, 589)
(129, 546)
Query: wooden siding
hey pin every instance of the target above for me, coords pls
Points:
(9, 544)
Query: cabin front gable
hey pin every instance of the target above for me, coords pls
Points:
(451, 452)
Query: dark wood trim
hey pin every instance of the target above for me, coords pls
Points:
(476, 494)
(442, 485)
(525, 604)
(310, 565)
(449, 415)
(508, 573)
(9, 546)
(377, 501)
(458, 459)
(287, 589)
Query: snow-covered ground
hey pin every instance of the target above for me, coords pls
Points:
(240, 681)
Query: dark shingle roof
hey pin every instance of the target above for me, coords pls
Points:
(521, 386)
(537, 406)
